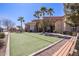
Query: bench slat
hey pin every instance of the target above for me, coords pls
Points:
(66, 52)
(72, 48)
(60, 50)
(67, 48)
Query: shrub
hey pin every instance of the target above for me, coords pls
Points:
(55, 31)
(1, 44)
(31, 31)
(70, 33)
(74, 33)
(60, 36)
(67, 33)
(2, 35)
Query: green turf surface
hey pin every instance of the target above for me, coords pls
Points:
(28, 43)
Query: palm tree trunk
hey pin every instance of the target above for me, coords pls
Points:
(21, 27)
(43, 25)
(36, 27)
(38, 24)
(50, 24)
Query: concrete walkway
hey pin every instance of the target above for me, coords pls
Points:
(50, 50)
(7, 53)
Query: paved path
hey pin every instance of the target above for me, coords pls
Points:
(8, 43)
(50, 50)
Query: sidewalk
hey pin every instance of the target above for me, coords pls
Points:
(7, 53)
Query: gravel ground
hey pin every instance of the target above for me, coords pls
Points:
(3, 50)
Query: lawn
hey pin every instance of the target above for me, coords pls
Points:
(28, 43)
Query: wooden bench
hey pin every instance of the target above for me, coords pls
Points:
(67, 48)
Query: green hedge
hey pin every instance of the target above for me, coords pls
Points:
(68, 33)
(2, 35)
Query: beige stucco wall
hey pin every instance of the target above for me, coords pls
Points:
(32, 26)
(59, 26)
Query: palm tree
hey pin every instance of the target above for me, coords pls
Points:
(43, 12)
(50, 12)
(21, 19)
(37, 15)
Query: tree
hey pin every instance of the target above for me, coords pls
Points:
(7, 23)
(50, 12)
(73, 18)
(21, 19)
(43, 12)
(0, 23)
(37, 14)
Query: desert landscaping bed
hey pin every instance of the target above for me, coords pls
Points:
(3, 48)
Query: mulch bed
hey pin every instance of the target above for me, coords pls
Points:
(3, 49)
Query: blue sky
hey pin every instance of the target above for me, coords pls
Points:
(14, 10)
